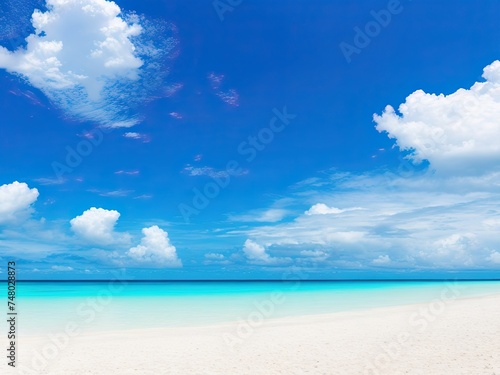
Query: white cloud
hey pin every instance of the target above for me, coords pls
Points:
(155, 249)
(271, 215)
(134, 135)
(456, 133)
(214, 256)
(322, 209)
(216, 259)
(15, 201)
(381, 260)
(204, 171)
(443, 217)
(61, 268)
(257, 254)
(96, 225)
(50, 181)
(419, 222)
(112, 193)
(134, 172)
(228, 96)
(176, 115)
(313, 253)
(494, 257)
(99, 73)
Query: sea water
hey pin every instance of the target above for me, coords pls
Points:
(115, 305)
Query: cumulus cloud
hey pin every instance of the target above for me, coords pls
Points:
(97, 225)
(456, 133)
(155, 249)
(102, 71)
(15, 201)
(444, 216)
(257, 254)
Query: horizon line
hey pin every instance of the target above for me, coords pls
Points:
(251, 280)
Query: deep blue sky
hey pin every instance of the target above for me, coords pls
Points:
(273, 54)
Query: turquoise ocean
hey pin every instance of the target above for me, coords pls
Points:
(114, 305)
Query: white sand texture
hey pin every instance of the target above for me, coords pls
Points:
(452, 337)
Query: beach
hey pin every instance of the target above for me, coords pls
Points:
(447, 335)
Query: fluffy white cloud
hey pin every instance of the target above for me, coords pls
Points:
(446, 217)
(96, 225)
(91, 59)
(456, 133)
(257, 254)
(15, 201)
(155, 249)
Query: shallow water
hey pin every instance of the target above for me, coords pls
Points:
(49, 306)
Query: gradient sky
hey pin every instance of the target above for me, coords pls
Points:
(200, 140)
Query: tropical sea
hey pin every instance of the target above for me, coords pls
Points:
(49, 306)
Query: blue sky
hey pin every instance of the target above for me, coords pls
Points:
(200, 140)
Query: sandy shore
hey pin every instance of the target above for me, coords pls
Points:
(459, 336)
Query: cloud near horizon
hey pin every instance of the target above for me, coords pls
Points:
(445, 216)
(155, 249)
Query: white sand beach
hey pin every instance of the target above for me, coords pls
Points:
(455, 337)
